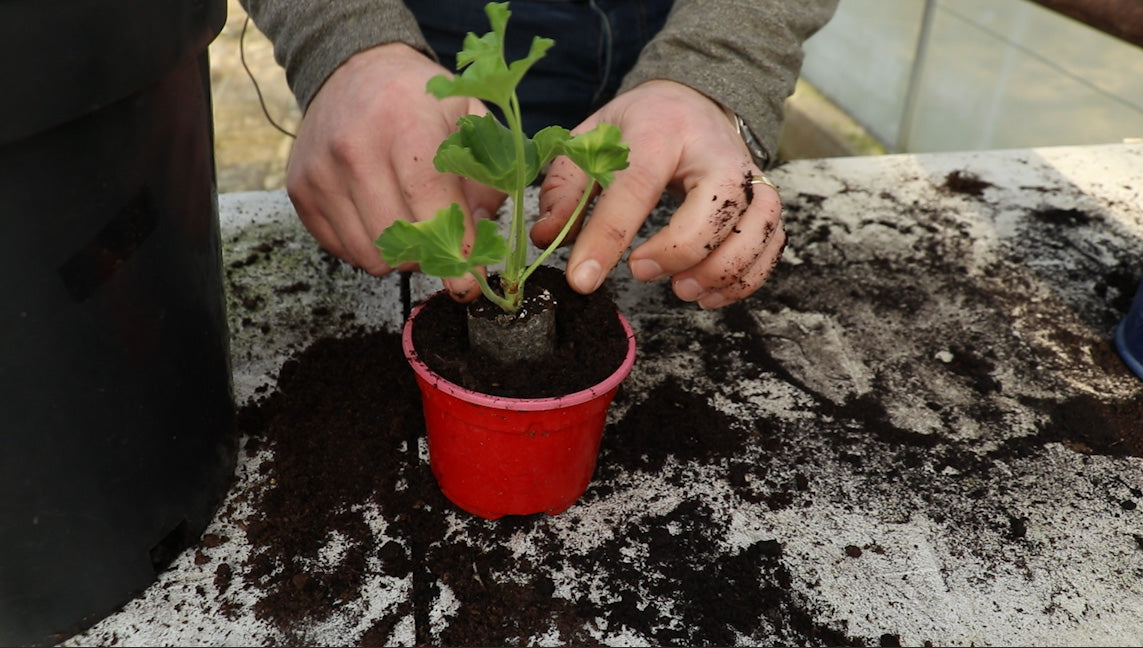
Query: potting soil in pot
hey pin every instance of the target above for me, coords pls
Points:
(590, 344)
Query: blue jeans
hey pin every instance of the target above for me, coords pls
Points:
(597, 42)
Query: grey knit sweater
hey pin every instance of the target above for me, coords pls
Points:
(746, 55)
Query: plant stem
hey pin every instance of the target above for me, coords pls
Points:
(491, 294)
(517, 241)
(583, 200)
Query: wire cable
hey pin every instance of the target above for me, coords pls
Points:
(249, 73)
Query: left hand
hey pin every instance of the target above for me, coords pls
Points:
(726, 237)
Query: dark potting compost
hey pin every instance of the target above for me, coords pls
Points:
(590, 343)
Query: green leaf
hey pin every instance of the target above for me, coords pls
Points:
(599, 152)
(437, 244)
(499, 156)
(549, 143)
(490, 45)
(482, 149)
(484, 72)
(488, 247)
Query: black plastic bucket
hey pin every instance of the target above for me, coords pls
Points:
(117, 441)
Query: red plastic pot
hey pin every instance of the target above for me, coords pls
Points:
(494, 456)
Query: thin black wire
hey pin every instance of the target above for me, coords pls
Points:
(249, 73)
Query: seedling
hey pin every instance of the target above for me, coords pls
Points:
(501, 156)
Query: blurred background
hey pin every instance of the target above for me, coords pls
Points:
(952, 75)
(250, 153)
(885, 76)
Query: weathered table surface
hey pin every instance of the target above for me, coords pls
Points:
(927, 433)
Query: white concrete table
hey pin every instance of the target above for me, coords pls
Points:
(931, 436)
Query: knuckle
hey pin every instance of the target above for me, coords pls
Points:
(374, 265)
(691, 253)
(343, 149)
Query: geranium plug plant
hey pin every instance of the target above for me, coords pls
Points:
(501, 156)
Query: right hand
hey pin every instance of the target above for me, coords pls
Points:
(364, 158)
(723, 241)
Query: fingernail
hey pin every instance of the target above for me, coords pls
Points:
(646, 270)
(688, 289)
(458, 289)
(587, 276)
(480, 213)
(712, 301)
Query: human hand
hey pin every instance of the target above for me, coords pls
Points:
(364, 157)
(726, 237)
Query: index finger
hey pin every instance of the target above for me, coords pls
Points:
(710, 213)
(619, 211)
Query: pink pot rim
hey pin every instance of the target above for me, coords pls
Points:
(517, 404)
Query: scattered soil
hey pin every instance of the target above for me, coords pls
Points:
(345, 427)
(342, 440)
(964, 182)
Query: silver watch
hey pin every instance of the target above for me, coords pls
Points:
(761, 157)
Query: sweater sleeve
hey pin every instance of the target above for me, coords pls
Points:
(313, 37)
(745, 55)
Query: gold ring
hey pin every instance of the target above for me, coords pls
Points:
(762, 179)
